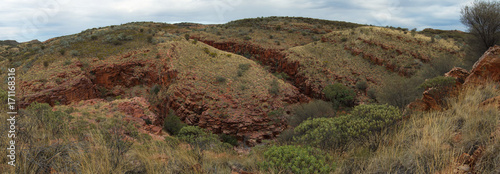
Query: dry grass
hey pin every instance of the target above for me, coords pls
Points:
(85, 145)
(431, 142)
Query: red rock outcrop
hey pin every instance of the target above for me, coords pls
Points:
(495, 102)
(487, 68)
(79, 88)
(130, 74)
(135, 111)
(458, 73)
(246, 120)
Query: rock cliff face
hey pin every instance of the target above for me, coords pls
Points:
(247, 119)
(84, 86)
(77, 89)
(487, 68)
(273, 58)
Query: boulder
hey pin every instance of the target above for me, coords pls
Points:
(487, 68)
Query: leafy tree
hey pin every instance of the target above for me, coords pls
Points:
(482, 19)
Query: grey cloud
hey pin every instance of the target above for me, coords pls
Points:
(32, 19)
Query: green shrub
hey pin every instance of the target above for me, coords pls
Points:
(199, 138)
(281, 75)
(206, 50)
(438, 82)
(339, 95)
(313, 109)
(372, 93)
(295, 159)
(186, 36)
(213, 54)
(362, 85)
(274, 89)
(172, 123)
(244, 66)
(229, 139)
(220, 79)
(363, 121)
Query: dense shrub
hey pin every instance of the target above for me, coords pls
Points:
(313, 109)
(274, 89)
(295, 159)
(362, 85)
(229, 139)
(198, 138)
(220, 79)
(244, 66)
(339, 94)
(338, 131)
(438, 82)
(173, 124)
(281, 75)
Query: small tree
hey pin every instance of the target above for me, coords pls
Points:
(482, 19)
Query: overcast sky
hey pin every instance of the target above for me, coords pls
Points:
(25, 20)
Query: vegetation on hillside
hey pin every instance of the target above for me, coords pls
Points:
(147, 119)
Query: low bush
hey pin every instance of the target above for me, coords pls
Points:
(198, 138)
(363, 121)
(339, 95)
(172, 123)
(220, 79)
(229, 139)
(362, 85)
(313, 109)
(295, 159)
(438, 82)
(274, 89)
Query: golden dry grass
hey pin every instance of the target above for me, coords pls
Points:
(428, 142)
